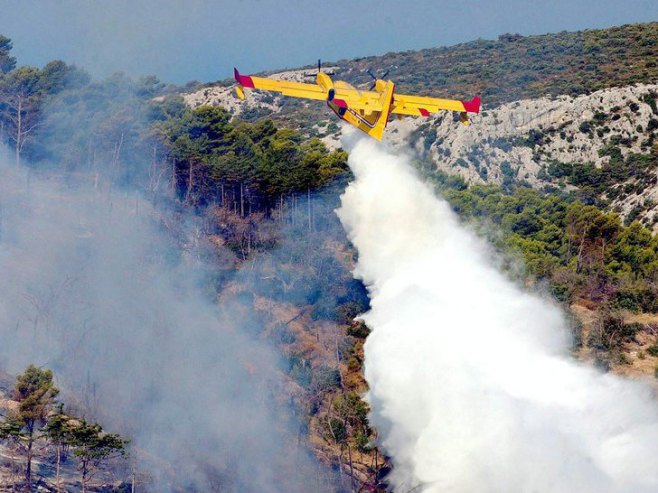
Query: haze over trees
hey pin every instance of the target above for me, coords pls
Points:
(24, 92)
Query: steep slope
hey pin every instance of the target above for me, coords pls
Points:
(510, 142)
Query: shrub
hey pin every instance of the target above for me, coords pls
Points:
(358, 329)
(326, 378)
(585, 127)
(652, 125)
(623, 359)
(653, 350)
(282, 334)
(507, 170)
(353, 364)
(336, 429)
(299, 369)
(611, 332)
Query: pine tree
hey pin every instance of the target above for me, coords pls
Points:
(35, 394)
(92, 447)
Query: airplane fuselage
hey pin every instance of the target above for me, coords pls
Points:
(373, 122)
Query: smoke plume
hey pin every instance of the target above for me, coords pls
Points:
(94, 287)
(471, 385)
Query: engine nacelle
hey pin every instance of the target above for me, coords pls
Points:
(380, 85)
(325, 82)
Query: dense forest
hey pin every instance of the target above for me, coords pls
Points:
(260, 188)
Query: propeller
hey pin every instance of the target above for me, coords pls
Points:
(319, 70)
(375, 78)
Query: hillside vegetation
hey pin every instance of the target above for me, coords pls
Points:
(602, 144)
(520, 67)
(507, 69)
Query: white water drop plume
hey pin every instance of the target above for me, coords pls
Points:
(472, 387)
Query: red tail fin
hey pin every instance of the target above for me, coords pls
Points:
(243, 80)
(472, 106)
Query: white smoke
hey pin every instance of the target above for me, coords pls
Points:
(92, 286)
(471, 385)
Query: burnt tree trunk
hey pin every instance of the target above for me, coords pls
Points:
(19, 130)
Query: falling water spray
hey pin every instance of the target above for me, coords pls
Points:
(472, 387)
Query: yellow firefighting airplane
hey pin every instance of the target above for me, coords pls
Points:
(366, 110)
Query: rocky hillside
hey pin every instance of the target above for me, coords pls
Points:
(605, 141)
(530, 134)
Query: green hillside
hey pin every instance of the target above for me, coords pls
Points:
(515, 67)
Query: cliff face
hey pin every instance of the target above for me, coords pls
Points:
(524, 140)
(529, 134)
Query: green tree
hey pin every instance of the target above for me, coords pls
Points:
(19, 105)
(58, 432)
(57, 76)
(97, 126)
(191, 139)
(590, 232)
(7, 62)
(247, 167)
(93, 447)
(35, 394)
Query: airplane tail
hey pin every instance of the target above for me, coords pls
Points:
(243, 81)
(472, 106)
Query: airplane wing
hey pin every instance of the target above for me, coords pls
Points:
(404, 104)
(355, 99)
(422, 106)
(287, 88)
